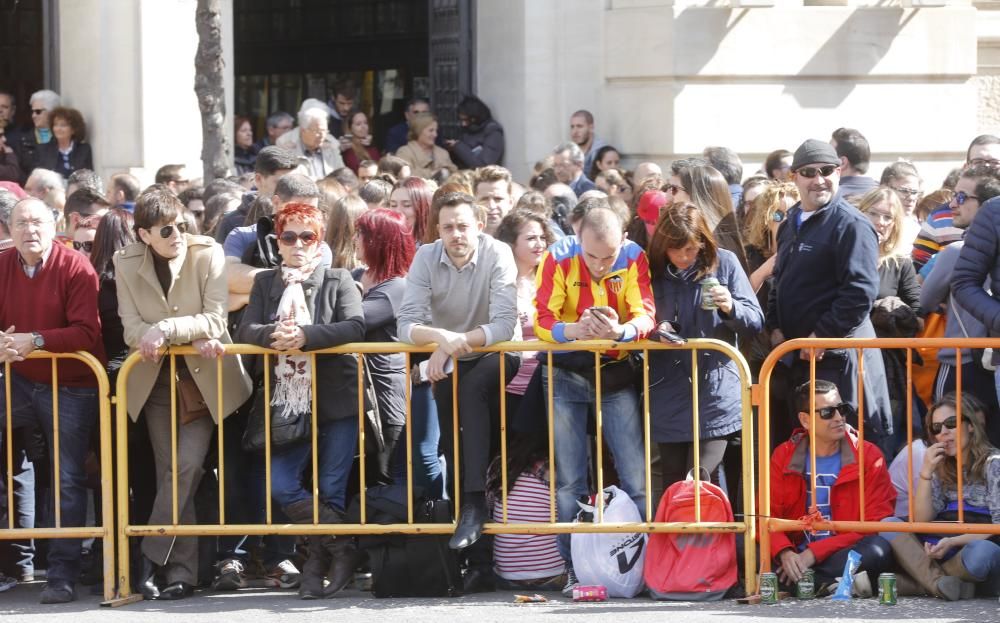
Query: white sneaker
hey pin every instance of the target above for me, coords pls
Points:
(6, 583)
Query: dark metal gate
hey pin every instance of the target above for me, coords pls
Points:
(451, 25)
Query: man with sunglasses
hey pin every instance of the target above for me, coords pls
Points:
(55, 310)
(977, 184)
(837, 495)
(825, 282)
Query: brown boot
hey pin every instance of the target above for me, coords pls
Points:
(956, 568)
(927, 572)
(311, 578)
(907, 586)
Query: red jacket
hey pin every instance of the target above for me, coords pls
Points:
(789, 485)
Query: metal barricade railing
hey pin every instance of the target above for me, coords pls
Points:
(127, 528)
(769, 524)
(105, 531)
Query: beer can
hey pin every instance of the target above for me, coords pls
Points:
(590, 593)
(768, 588)
(887, 589)
(806, 587)
(707, 302)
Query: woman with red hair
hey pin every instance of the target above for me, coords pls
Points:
(412, 198)
(384, 243)
(295, 308)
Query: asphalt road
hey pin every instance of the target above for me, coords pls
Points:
(263, 606)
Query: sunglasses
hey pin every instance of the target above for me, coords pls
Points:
(843, 409)
(950, 423)
(168, 230)
(84, 246)
(987, 161)
(961, 197)
(907, 192)
(673, 189)
(811, 172)
(778, 216)
(307, 237)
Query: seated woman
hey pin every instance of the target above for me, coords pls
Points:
(171, 291)
(424, 157)
(68, 149)
(683, 253)
(358, 137)
(301, 307)
(945, 566)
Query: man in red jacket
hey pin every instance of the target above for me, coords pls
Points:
(49, 302)
(837, 494)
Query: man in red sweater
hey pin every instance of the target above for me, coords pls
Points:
(49, 303)
(837, 494)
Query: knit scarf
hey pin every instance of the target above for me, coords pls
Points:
(293, 377)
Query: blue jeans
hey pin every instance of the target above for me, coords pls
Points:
(573, 398)
(982, 560)
(19, 554)
(338, 440)
(428, 470)
(31, 404)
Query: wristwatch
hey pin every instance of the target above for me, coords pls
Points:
(37, 340)
(164, 328)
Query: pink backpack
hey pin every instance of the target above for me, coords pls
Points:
(690, 566)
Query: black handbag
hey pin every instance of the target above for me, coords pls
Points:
(284, 431)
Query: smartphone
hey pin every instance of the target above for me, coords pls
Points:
(668, 333)
(347, 137)
(603, 310)
(449, 366)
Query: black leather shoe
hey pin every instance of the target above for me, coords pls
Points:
(177, 590)
(147, 580)
(478, 579)
(470, 525)
(57, 592)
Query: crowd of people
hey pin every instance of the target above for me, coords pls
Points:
(321, 239)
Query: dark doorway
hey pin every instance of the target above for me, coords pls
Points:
(290, 50)
(22, 58)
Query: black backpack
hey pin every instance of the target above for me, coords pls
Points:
(407, 565)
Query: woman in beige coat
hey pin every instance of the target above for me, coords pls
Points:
(171, 291)
(424, 156)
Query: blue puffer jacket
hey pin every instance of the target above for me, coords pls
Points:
(678, 299)
(980, 259)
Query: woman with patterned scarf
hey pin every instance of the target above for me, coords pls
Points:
(297, 308)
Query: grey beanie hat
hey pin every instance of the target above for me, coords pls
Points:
(814, 151)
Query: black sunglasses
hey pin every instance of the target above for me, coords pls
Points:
(950, 423)
(811, 172)
(844, 409)
(168, 230)
(84, 246)
(307, 237)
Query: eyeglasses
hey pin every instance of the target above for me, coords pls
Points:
(990, 162)
(37, 111)
(36, 223)
(168, 230)
(307, 237)
(907, 192)
(811, 172)
(950, 423)
(87, 246)
(779, 216)
(961, 197)
(843, 409)
(673, 189)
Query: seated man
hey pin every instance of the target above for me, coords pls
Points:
(594, 286)
(837, 478)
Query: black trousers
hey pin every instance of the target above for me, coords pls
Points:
(478, 416)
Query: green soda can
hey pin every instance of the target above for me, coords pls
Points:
(707, 302)
(806, 587)
(887, 589)
(768, 588)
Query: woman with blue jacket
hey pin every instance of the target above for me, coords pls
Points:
(682, 255)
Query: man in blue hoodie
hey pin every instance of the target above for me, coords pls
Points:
(825, 281)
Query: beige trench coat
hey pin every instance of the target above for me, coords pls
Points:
(195, 307)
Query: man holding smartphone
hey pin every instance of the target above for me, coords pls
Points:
(594, 286)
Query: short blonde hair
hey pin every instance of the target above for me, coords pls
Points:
(420, 123)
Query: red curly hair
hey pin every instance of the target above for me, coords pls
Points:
(303, 213)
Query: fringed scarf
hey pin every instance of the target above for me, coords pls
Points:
(293, 377)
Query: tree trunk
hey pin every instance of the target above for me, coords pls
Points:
(208, 85)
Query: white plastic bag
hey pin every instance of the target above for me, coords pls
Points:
(613, 560)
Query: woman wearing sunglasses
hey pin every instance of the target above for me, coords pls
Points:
(944, 566)
(172, 291)
(682, 255)
(296, 308)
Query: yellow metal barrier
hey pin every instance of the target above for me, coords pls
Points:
(105, 531)
(127, 528)
(770, 524)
